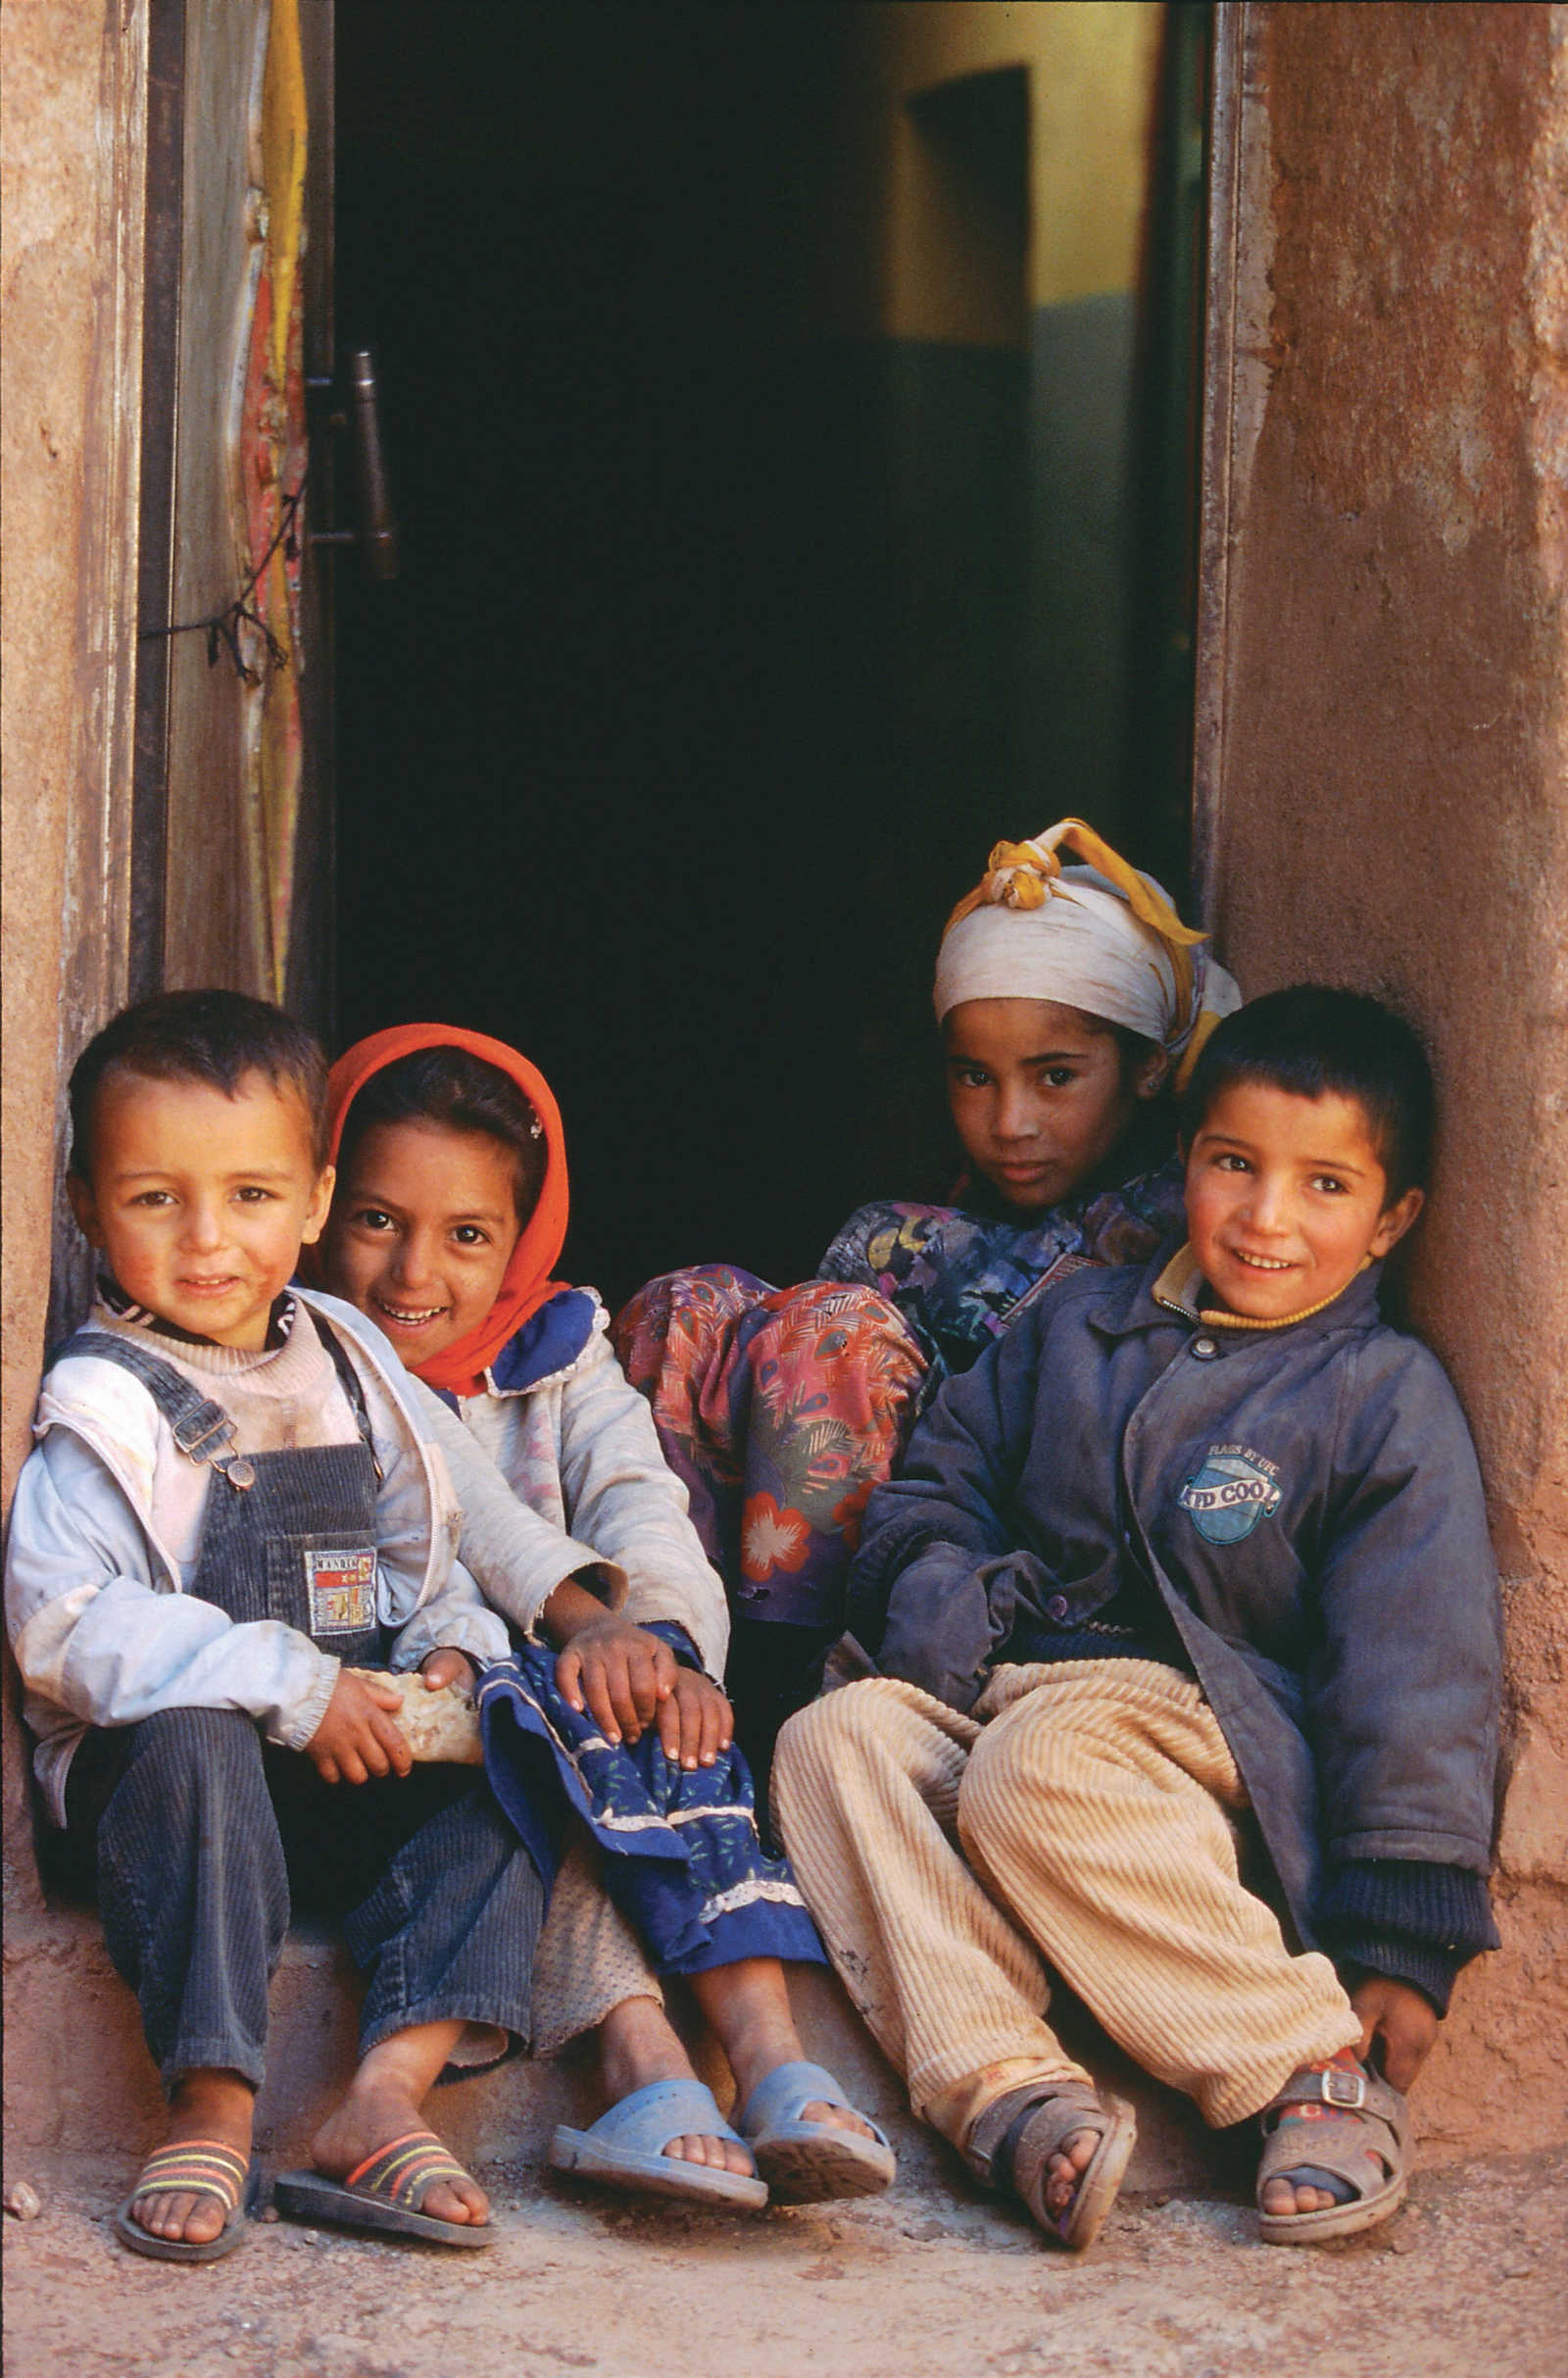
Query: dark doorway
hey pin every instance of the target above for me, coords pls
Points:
(702, 693)
(583, 803)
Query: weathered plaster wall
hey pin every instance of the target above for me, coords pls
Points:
(1387, 699)
(72, 147)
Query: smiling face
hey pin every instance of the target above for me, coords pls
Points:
(422, 1231)
(1286, 1199)
(201, 1202)
(1038, 1096)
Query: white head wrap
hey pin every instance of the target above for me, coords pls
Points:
(1102, 937)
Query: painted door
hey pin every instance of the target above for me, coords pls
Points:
(232, 800)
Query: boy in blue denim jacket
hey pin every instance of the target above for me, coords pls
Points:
(1195, 1547)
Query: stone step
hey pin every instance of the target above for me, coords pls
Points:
(79, 2083)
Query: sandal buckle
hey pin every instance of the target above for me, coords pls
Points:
(1342, 2088)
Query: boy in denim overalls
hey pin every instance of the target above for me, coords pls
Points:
(233, 1504)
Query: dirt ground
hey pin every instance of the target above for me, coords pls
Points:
(927, 2282)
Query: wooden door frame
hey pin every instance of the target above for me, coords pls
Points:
(309, 989)
(155, 566)
(1235, 374)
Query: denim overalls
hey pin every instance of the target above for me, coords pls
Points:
(198, 1827)
(287, 1535)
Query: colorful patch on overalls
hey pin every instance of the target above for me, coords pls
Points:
(1235, 1488)
(340, 1588)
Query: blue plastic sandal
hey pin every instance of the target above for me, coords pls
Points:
(625, 2147)
(805, 2161)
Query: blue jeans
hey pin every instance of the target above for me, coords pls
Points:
(203, 1836)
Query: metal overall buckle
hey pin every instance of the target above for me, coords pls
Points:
(203, 1435)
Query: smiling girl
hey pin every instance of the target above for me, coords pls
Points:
(1070, 1000)
(449, 1217)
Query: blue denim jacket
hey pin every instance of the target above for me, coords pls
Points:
(1305, 1502)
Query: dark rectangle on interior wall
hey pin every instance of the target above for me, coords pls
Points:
(910, 616)
(1079, 635)
(155, 563)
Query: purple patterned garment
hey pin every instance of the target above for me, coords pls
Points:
(780, 1408)
(959, 1276)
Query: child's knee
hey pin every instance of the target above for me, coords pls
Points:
(826, 1743)
(851, 1723)
(195, 1754)
(1013, 1775)
(805, 1749)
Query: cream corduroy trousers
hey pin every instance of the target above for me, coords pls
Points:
(1083, 1815)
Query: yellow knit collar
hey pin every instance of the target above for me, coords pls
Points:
(1178, 1286)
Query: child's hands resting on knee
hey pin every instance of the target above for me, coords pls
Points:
(607, 1665)
(357, 1736)
(448, 1666)
(1400, 2021)
(626, 1677)
(620, 1674)
(696, 1722)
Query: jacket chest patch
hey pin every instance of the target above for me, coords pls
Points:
(341, 1589)
(1233, 1489)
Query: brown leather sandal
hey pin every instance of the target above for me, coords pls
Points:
(1013, 2142)
(1363, 2145)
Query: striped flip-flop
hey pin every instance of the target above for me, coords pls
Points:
(193, 2168)
(383, 2193)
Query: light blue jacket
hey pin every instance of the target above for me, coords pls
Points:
(105, 1632)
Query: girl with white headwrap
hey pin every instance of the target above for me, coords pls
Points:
(1071, 999)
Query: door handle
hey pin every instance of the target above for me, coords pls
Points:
(361, 417)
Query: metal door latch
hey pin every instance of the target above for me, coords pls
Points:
(378, 532)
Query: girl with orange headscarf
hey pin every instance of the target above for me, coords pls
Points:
(447, 1221)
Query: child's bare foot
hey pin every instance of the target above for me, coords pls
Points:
(206, 2104)
(383, 2105)
(638, 2046)
(1283, 2196)
(1064, 2170)
(748, 2008)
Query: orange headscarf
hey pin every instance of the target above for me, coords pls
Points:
(526, 1283)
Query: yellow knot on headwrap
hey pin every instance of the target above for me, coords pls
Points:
(1023, 876)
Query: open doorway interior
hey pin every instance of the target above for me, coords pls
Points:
(768, 394)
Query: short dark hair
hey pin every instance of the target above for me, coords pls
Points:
(207, 1036)
(1317, 1042)
(458, 1092)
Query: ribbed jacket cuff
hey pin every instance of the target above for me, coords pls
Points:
(1431, 1971)
(1415, 1922)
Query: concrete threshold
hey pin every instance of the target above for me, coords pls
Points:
(79, 2083)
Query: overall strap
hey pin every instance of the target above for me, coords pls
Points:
(202, 1430)
(352, 1387)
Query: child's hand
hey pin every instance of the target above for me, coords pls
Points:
(448, 1666)
(696, 1722)
(619, 1673)
(357, 1738)
(1399, 2020)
